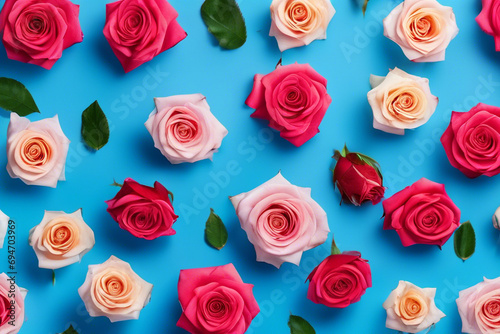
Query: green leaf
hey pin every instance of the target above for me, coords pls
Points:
(225, 21)
(95, 128)
(70, 330)
(365, 4)
(16, 98)
(53, 277)
(215, 231)
(465, 241)
(335, 249)
(299, 325)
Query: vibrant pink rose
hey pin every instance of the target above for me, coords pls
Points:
(143, 211)
(37, 31)
(139, 30)
(215, 301)
(293, 98)
(422, 28)
(479, 307)
(11, 318)
(281, 220)
(489, 20)
(299, 22)
(36, 151)
(339, 280)
(472, 141)
(112, 289)
(184, 129)
(421, 214)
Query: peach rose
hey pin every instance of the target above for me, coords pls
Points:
(184, 129)
(411, 309)
(112, 289)
(422, 28)
(11, 305)
(281, 220)
(400, 101)
(299, 22)
(61, 239)
(36, 151)
(4, 223)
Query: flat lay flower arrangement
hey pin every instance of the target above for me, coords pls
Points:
(221, 166)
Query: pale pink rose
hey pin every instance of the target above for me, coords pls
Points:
(411, 309)
(36, 151)
(4, 223)
(281, 220)
(11, 319)
(61, 239)
(479, 307)
(112, 289)
(400, 101)
(184, 129)
(299, 22)
(422, 28)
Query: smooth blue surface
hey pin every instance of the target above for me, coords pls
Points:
(89, 71)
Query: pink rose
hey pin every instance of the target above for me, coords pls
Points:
(400, 101)
(422, 28)
(339, 280)
(472, 141)
(37, 31)
(11, 305)
(112, 289)
(489, 20)
(184, 129)
(36, 151)
(281, 220)
(215, 300)
(411, 309)
(143, 211)
(421, 214)
(139, 30)
(293, 98)
(479, 307)
(299, 22)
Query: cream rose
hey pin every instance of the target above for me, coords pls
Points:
(4, 223)
(422, 28)
(61, 239)
(400, 101)
(299, 22)
(411, 309)
(36, 151)
(112, 289)
(11, 294)
(184, 129)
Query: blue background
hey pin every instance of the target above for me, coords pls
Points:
(253, 154)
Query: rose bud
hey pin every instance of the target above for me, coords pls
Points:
(357, 177)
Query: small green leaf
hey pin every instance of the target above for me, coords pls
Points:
(299, 325)
(465, 241)
(53, 277)
(225, 21)
(215, 231)
(70, 330)
(335, 249)
(365, 4)
(16, 98)
(95, 128)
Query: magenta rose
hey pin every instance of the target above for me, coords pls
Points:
(143, 211)
(37, 31)
(472, 141)
(215, 300)
(489, 20)
(339, 280)
(421, 214)
(139, 30)
(293, 98)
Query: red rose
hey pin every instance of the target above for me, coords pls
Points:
(139, 30)
(339, 280)
(143, 211)
(421, 214)
(293, 99)
(215, 300)
(37, 31)
(472, 141)
(357, 177)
